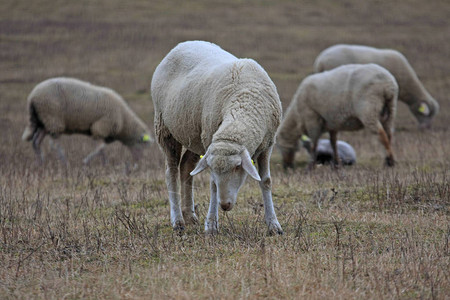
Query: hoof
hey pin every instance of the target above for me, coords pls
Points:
(190, 218)
(275, 229)
(211, 227)
(389, 161)
(311, 166)
(287, 166)
(211, 231)
(178, 226)
(335, 166)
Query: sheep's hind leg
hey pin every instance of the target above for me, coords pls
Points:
(385, 140)
(172, 150)
(187, 164)
(266, 189)
(38, 137)
(212, 219)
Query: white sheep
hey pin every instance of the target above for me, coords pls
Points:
(346, 98)
(212, 103)
(66, 105)
(324, 151)
(411, 91)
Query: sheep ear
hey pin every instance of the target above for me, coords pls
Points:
(424, 109)
(248, 165)
(201, 165)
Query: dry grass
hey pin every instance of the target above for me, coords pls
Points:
(361, 232)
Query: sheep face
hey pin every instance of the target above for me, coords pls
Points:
(424, 114)
(228, 172)
(143, 140)
(228, 182)
(138, 146)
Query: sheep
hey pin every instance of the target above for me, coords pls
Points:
(324, 151)
(67, 105)
(211, 103)
(411, 91)
(347, 98)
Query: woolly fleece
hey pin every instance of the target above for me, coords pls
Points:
(203, 94)
(411, 90)
(68, 105)
(347, 98)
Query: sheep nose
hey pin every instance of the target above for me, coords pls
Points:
(226, 206)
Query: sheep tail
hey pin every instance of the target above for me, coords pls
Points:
(33, 124)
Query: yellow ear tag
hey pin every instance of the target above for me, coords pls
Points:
(422, 108)
(305, 138)
(201, 156)
(146, 138)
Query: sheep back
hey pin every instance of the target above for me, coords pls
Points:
(411, 90)
(348, 97)
(68, 105)
(202, 93)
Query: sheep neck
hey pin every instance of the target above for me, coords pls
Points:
(132, 129)
(411, 89)
(240, 129)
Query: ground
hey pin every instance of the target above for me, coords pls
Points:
(97, 232)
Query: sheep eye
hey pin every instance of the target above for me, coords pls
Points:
(237, 168)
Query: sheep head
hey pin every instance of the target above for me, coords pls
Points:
(425, 112)
(137, 147)
(229, 164)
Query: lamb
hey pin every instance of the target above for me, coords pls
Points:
(212, 103)
(324, 151)
(347, 98)
(411, 91)
(66, 105)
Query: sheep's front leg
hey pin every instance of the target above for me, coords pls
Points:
(314, 125)
(212, 219)
(333, 142)
(187, 164)
(313, 162)
(266, 189)
(98, 150)
(57, 147)
(136, 154)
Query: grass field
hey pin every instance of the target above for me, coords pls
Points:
(365, 232)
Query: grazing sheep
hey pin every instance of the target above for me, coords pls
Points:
(210, 102)
(66, 105)
(411, 91)
(347, 98)
(324, 151)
